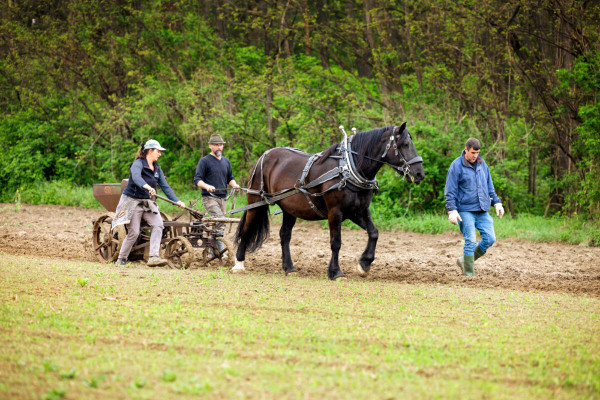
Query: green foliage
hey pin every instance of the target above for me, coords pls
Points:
(87, 83)
(55, 192)
(584, 80)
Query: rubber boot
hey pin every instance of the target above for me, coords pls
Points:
(478, 253)
(469, 265)
(463, 267)
(461, 261)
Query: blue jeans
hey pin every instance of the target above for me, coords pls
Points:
(482, 221)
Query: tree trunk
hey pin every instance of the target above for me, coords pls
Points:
(411, 46)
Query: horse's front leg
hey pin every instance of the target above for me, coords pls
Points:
(335, 240)
(365, 221)
(285, 234)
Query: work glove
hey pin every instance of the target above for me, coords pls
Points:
(499, 210)
(454, 217)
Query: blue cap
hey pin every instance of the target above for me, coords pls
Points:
(153, 144)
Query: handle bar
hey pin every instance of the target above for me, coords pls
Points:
(193, 212)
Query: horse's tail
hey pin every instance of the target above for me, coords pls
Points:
(255, 231)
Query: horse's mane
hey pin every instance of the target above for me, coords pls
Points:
(361, 143)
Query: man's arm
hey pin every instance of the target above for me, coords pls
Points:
(203, 185)
(496, 202)
(230, 177)
(492, 191)
(199, 177)
(451, 189)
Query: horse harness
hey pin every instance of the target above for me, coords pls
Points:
(346, 171)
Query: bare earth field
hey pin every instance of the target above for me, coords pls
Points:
(65, 232)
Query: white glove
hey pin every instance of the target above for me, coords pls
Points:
(453, 216)
(499, 210)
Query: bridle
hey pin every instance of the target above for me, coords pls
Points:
(404, 168)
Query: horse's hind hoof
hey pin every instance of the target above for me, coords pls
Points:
(291, 271)
(238, 268)
(341, 278)
(361, 271)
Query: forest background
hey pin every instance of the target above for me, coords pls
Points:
(84, 83)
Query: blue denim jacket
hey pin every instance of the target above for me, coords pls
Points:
(469, 188)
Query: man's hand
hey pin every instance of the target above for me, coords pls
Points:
(210, 188)
(236, 187)
(180, 204)
(499, 210)
(454, 217)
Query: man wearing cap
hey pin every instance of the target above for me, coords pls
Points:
(213, 174)
(136, 202)
(469, 193)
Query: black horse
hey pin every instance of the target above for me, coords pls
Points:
(336, 184)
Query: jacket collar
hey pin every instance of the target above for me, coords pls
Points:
(146, 165)
(466, 163)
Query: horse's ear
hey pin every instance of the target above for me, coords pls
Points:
(402, 128)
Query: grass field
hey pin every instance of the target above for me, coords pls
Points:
(78, 330)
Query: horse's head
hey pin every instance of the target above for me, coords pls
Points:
(401, 152)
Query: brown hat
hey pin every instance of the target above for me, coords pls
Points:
(215, 139)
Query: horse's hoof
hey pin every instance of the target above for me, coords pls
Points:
(361, 271)
(238, 268)
(291, 271)
(341, 278)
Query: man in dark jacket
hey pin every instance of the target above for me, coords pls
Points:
(469, 194)
(213, 174)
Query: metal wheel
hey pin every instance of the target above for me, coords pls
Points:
(224, 259)
(179, 253)
(107, 242)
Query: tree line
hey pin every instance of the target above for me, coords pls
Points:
(84, 83)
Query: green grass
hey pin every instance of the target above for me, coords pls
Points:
(573, 230)
(135, 332)
(55, 192)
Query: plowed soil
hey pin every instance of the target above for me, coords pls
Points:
(66, 232)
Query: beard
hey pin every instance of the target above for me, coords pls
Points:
(218, 153)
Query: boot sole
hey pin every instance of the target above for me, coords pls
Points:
(157, 264)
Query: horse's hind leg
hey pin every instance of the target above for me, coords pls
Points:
(241, 240)
(285, 234)
(251, 233)
(365, 221)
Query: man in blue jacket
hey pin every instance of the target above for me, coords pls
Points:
(469, 194)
